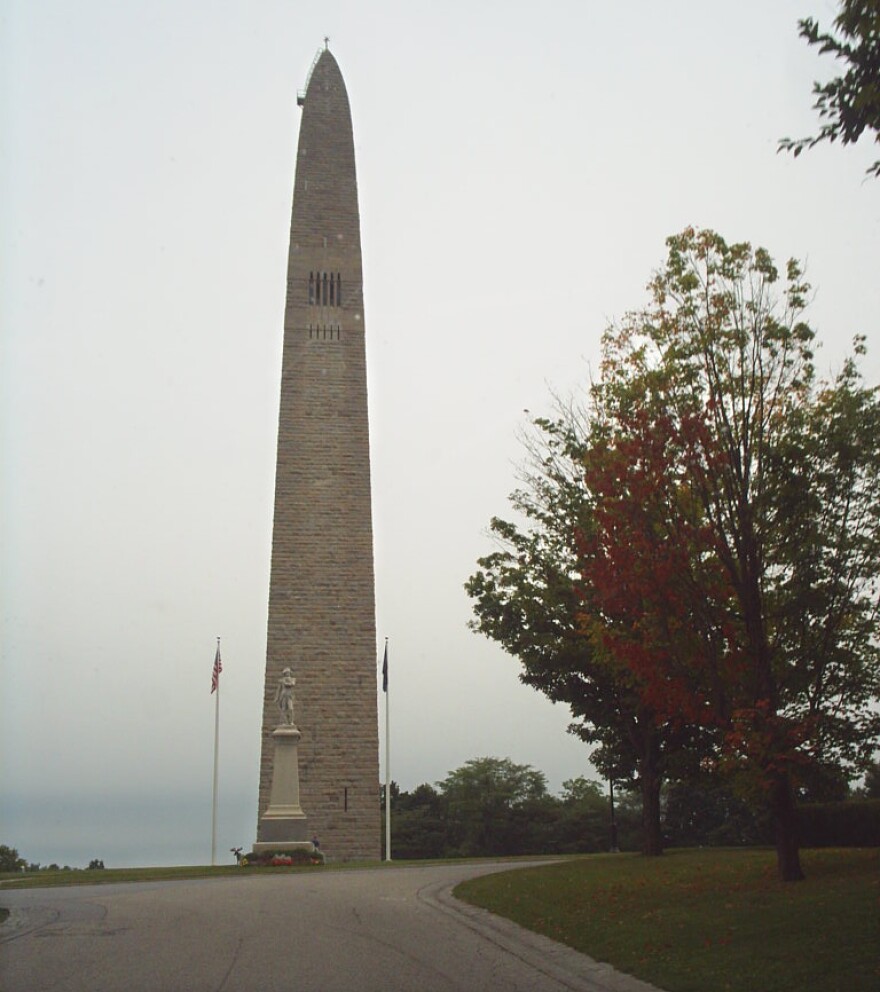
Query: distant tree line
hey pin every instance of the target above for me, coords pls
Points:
(11, 861)
(493, 807)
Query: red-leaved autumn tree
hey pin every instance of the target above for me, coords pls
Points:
(698, 574)
(528, 595)
(733, 557)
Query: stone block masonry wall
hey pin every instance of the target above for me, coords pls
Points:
(321, 598)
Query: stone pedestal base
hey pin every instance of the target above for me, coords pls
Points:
(283, 827)
(275, 827)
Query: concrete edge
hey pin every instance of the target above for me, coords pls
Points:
(572, 969)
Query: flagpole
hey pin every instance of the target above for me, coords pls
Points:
(216, 756)
(387, 756)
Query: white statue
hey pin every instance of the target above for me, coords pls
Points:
(284, 696)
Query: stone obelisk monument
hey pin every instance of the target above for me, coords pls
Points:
(321, 597)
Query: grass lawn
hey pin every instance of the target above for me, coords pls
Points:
(708, 920)
(107, 876)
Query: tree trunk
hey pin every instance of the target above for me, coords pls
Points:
(781, 795)
(782, 806)
(652, 836)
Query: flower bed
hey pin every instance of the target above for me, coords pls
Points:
(282, 859)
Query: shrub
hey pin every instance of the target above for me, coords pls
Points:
(290, 859)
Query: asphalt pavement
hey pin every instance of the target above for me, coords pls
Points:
(388, 930)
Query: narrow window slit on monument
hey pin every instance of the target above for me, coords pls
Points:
(345, 799)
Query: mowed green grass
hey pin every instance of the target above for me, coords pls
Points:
(708, 920)
(109, 876)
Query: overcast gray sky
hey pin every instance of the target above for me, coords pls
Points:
(519, 167)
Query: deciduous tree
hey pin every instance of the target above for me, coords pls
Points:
(849, 104)
(528, 596)
(418, 823)
(698, 571)
(482, 798)
(733, 560)
(9, 859)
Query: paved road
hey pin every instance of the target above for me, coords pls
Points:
(342, 931)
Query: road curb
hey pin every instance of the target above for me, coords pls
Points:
(572, 969)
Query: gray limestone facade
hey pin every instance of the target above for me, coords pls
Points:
(321, 596)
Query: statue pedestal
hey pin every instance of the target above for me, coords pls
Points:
(283, 826)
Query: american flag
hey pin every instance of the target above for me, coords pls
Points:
(218, 668)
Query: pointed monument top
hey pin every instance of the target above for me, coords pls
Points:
(324, 55)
